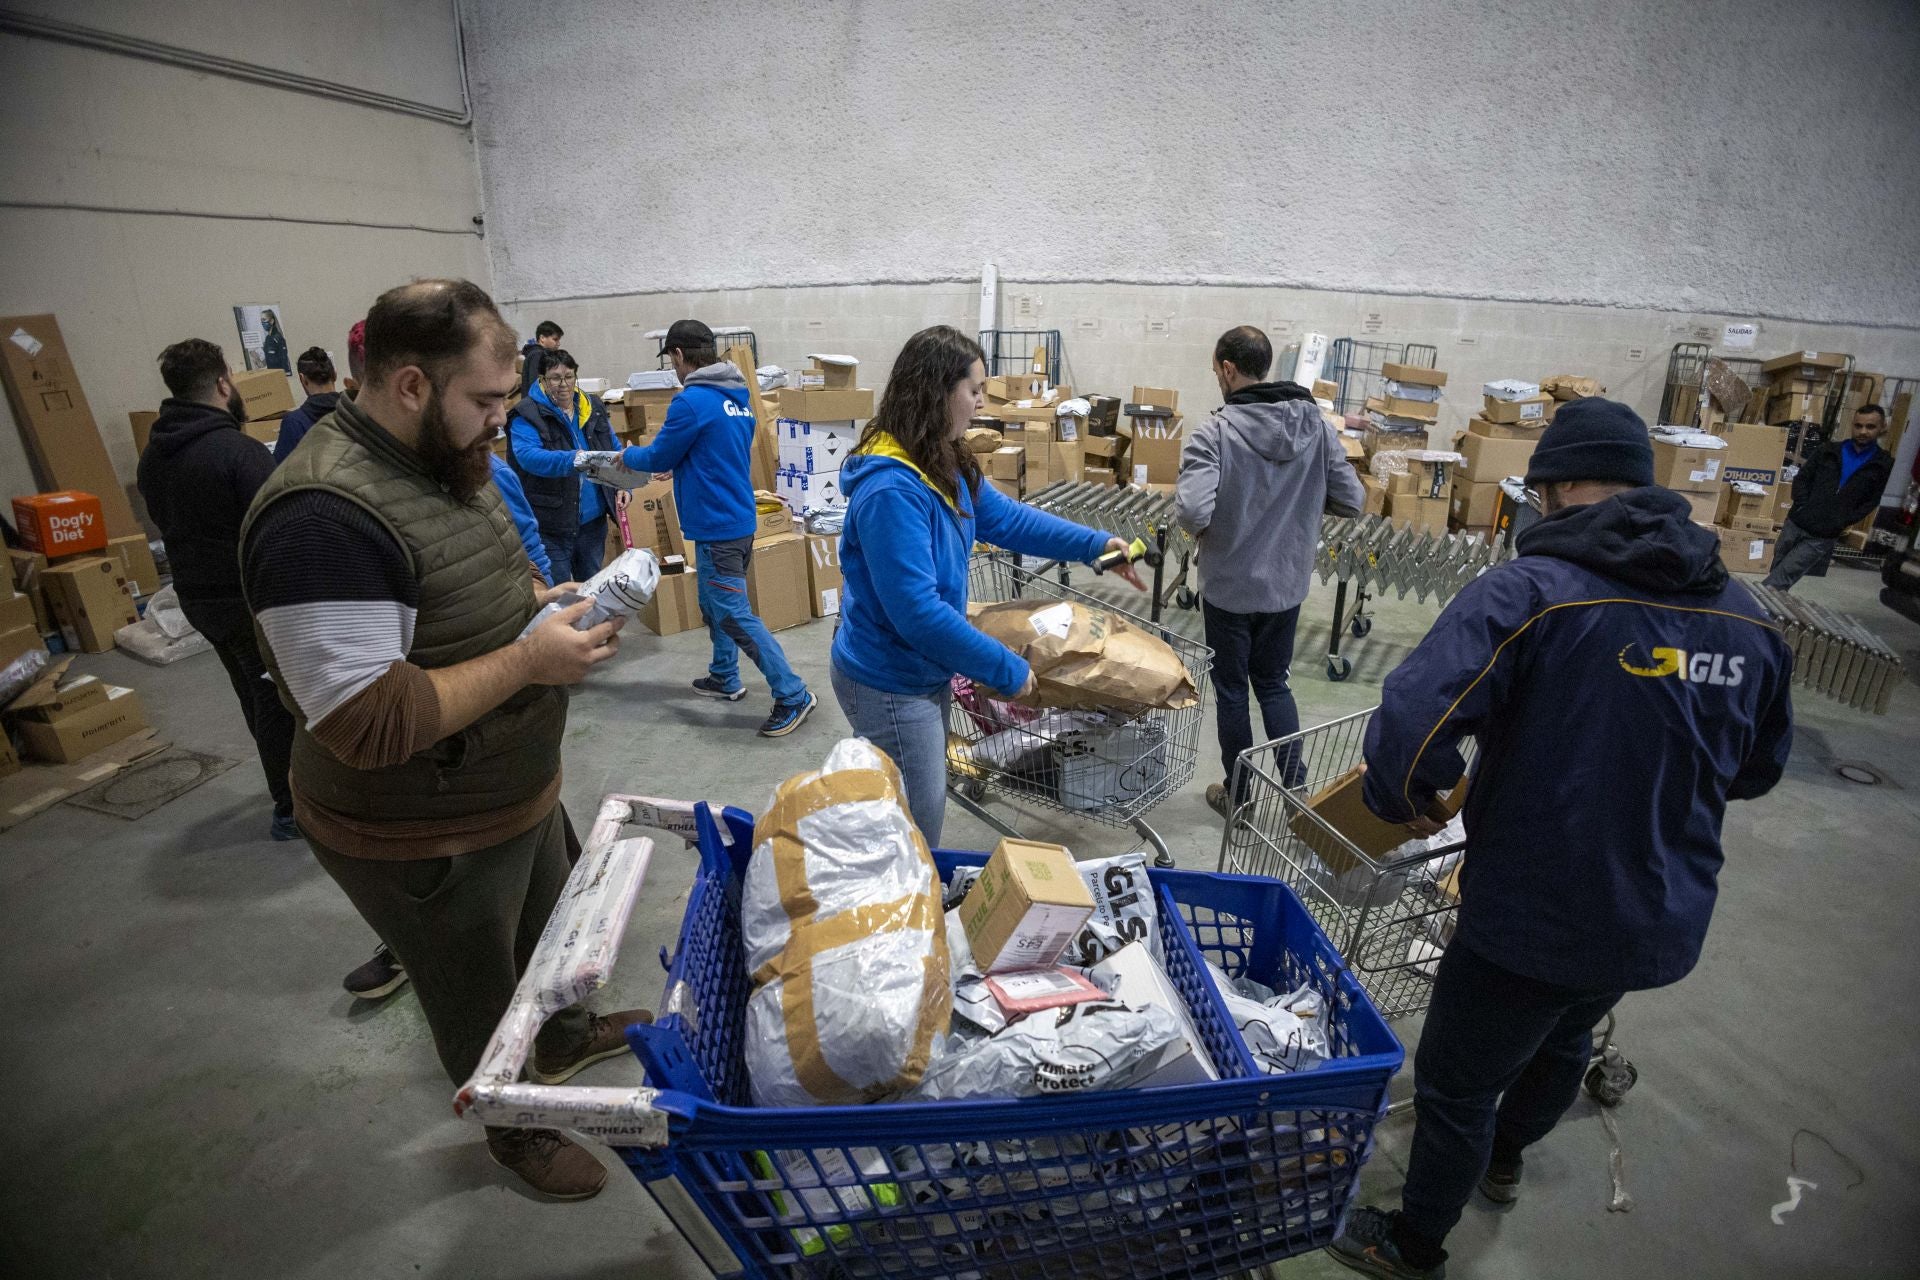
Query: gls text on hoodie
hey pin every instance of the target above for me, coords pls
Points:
(707, 442)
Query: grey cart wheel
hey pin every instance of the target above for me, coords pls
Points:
(1339, 668)
(974, 789)
(1360, 626)
(1607, 1082)
(1185, 599)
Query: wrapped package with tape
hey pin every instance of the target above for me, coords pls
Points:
(621, 587)
(1084, 657)
(845, 944)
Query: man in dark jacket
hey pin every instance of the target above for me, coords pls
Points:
(1840, 486)
(533, 356)
(550, 428)
(198, 475)
(315, 369)
(1622, 689)
(1254, 480)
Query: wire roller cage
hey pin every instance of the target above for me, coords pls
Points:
(1010, 351)
(1356, 366)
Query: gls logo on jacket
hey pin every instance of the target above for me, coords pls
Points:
(733, 410)
(1696, 668)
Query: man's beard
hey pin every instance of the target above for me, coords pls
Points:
(462, 471)
(237, 407)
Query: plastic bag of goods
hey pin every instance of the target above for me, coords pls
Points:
(1101, 1044)
(1084, 657)
(1123, 907)
(1285, 1032)
(619, 588)
(845, 945)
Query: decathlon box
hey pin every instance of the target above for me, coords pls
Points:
(65, 522)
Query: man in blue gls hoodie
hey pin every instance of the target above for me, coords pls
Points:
(1622, 688)
(707, 442)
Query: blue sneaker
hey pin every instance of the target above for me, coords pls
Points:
(708, 687)
(1367, 1246)
(788, 716)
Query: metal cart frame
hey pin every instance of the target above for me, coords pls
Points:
(1106, 767)
(1372, 554)
(1004, 348)
(1354, 365)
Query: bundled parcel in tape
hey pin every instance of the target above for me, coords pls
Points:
(1084, 657)
(620, 588)
(845, 943)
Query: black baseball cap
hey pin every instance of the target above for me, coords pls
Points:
(687, 335)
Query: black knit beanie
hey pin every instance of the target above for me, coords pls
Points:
(1593, 439)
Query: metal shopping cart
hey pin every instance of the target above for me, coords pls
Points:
(1195, 1181)
(1390, 918)
(1109, 767)
(1129, 512)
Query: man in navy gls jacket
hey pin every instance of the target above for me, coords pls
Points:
(1622, 688)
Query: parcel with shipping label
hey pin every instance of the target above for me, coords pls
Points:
(1084, 657)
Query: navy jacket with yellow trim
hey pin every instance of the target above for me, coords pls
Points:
(1622, 689)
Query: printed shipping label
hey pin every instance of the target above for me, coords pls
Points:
(1055, 621)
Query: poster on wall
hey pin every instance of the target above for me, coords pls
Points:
(262, 338)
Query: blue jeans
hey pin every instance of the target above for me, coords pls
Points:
(1500, 1060)
(912, 729)
(578, 558)
(730, 622)
(1256, 649)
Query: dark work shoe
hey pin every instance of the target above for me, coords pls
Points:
(549, 1162)
(1367, 1246)
(1502, 1182)
(708, 687)
(284, 827)
(606, 1037)
(379, 976)
(788, 716)
(1217, 799)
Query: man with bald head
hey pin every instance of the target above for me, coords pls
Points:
(388, 589)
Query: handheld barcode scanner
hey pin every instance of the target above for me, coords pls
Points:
(1136, 552)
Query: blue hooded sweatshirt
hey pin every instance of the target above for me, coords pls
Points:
(904, 553)
(1622, 689)
(707, 442)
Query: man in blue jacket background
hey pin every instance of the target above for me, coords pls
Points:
(707, 443)
(1622, 689)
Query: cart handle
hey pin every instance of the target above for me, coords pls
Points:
(575, 956)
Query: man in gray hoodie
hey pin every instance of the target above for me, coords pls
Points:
(1255, 477)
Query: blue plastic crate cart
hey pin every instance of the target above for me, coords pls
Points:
(1194, 1181)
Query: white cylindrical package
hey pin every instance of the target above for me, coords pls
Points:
(619, 588)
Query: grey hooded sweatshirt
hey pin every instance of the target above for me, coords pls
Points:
(1255, 477)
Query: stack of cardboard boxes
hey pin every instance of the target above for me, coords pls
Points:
(63, 719)
(268, 394)
(70, 577)
(1405, 412)
(1417, 496)
(817, 427)
(778, 577)
(1498, 443)
(1754, 494)
(1025, 409)
(1154, 425)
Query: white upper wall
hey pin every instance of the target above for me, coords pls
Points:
(1753, 158)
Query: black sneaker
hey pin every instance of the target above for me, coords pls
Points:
(378, 977)
(1367, 1246)
(284, 827)
(1502, 1182)
(788, 716)
(708, 687)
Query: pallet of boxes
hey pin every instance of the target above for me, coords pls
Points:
(796, 571)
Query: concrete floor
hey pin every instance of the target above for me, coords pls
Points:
(196, 1096)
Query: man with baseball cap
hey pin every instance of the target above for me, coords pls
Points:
(707, 443)
(1622, 689)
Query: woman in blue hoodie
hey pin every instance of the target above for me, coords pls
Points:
(916, 503)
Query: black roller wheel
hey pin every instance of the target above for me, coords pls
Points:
(1360, 626)
(1338, 668)
(974, 790)
(1607, 1084)
(1185, 599)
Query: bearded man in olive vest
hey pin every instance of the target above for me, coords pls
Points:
(388, 587)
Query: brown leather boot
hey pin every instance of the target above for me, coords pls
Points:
(549, 1162)
(606, 1038)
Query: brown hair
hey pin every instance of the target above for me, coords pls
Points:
(436, 325)
(913, 408)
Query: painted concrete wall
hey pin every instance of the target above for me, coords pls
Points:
(94, 128)
(1753, 157)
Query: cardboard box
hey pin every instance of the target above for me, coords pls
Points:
(1376, 496)
(1510, 389)
(1687, 468)
(1704, 506)
(141, 420)
(653, 521)
(65, 522)
(814, 447)
(1797, 408)
(1528, 430)
(775, 521)
(984, 439)
(63, 701)
(1488, 459)
(1418, 410)
(16, 611)
(27, 566)
(836, 373)
(1324, 390)
(823, 574)
(1804, 364)
(825, 406)
(1414, 374)
(1745, 551)
(18, 641)
(1133, 977)
(1340, 807)
(268, 393)
(90, 599)
(1149, 421)
(1736, 509)
(675, 606)
(1010, 488)
(1065, 461)
(137, 559)
(1014, 387)
(1107, 447)
(777, 582)
(1474, 504)
(115, 716)
(265, 430)
(1160, 456)
(1532, 409)
(1009, 462)
(1099, 475)
(1025, 908)
(1167, 396)
(809, 491)
(1427, 514)
(55, 423)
